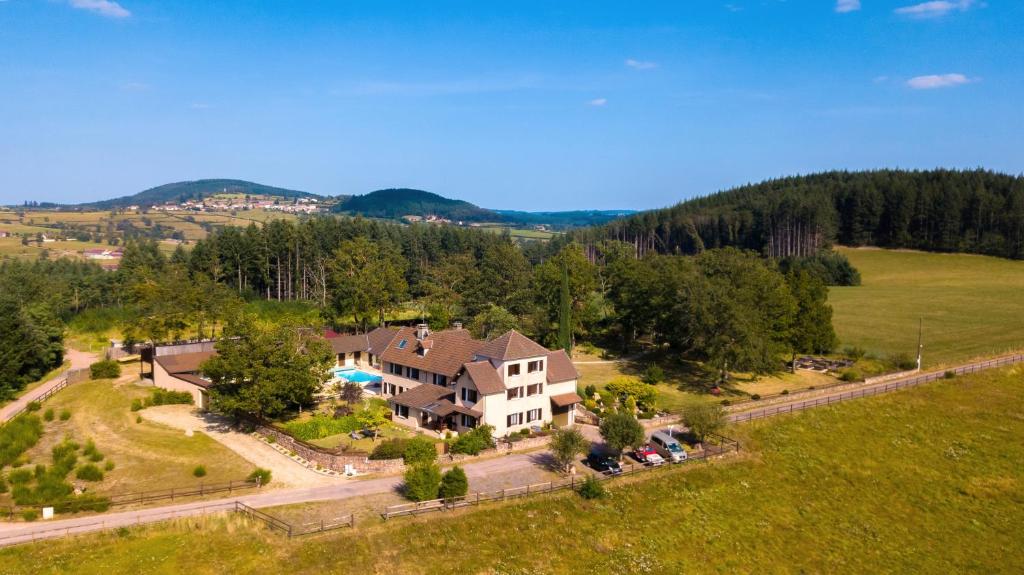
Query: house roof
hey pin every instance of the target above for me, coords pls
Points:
(566, 399)
(184, 362)
(511, 346)
(447, 350)
(485, 377)
(423, 395)
(193, 379)
(373, 342)
(560, 367)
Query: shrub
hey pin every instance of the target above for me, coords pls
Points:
(91, 452)
(138, 419)
(20, 476)
(89, 472)
(422, 482)
(29, 515)
(591, 488)
(389, 449)
(756, 396)
(454, 483)
(474, 441)
(849, 375)
(33, 406)
(854, 352)
(106, 369)
(65, 414)
(261, 475)
(589, 391)
(419, 450)
(726, 402)
(48, 414)
(785, 392)
(18, 436)
(902, 361)
(167, 397)
(653, 375)
(136, 404)
(3, 484)
(199, 471)
(108, 466)
(321, 426)
(648, 414)
(949, 374)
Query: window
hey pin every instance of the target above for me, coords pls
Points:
(535, 389)
(468, 421)
(468, 395)
(440, 380)
(402, 411)
(390, 389)
(395, 369)
(513, 369)
(535, 366)
(533, 415)
(412, 373)
(515, 392)
(514, 419)
(403, 343)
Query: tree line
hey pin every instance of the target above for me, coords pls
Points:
(973, 211)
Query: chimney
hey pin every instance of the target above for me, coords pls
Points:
(422, 331)
(456, 325)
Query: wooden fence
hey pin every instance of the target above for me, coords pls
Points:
(875, 390)
(282, 526)
(723, 445)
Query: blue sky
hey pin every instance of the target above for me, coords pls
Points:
(524, 105)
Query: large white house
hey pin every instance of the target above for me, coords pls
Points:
(449, 381)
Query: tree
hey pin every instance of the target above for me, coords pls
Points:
(454, 483)
(262, 370)
(566, 444)
(369, 280)
(565, 314)
(570, 265)
(621, 430)
(492, 322)
(704, 418)
(811, 331)
(422, 482)
(351, 393)
(373, 417)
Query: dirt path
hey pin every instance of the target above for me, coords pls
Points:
(286, 473)
(78, 360)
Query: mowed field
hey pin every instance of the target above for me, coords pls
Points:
(926, 480)
(971, 305)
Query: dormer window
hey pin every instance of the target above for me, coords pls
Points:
(513, 369)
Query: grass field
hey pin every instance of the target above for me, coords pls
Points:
(927, 480)
(971, 305)
(146, 455)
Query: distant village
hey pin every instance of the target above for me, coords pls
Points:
(215, 204)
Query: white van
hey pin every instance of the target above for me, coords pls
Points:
(668, 447)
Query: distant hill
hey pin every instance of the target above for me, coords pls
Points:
(397, 202)
(976, 211)
(576, 218)
(198, 189)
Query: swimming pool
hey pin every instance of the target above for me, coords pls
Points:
(356, 375)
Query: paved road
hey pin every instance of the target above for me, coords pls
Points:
(12, 533)
(78, 359)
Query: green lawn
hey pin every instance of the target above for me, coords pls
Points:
(972, 305)
(146, 455)
(927, 480)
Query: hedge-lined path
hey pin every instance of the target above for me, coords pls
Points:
(78, 360)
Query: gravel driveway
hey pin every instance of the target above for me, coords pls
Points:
(286, 472)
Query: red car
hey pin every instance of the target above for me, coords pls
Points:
(647, 454)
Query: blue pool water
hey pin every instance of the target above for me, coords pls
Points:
(356, 375)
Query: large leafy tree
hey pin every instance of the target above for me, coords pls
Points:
(31, 344)
(568, 272)
(265, 370)
(566, 445)
(621, 430)
(369, 280)
(811, 330)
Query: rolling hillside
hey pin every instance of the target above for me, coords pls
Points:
(194, 190)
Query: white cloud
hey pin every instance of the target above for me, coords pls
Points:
(640, 64)
(598, 102)
(935, 8)
(844, 6)
(107, 8)
(933, 81)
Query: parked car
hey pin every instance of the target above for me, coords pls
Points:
(648, 456)
(668, 446)
(604, 464)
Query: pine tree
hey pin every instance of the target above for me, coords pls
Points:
(565, 314)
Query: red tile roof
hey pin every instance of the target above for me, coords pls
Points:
(560, 367)
(566, 399)
(511, 346)
(485, 377)
(449, 350)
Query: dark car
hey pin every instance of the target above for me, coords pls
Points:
(604, 464)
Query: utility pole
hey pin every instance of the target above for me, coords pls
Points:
(920, 344)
